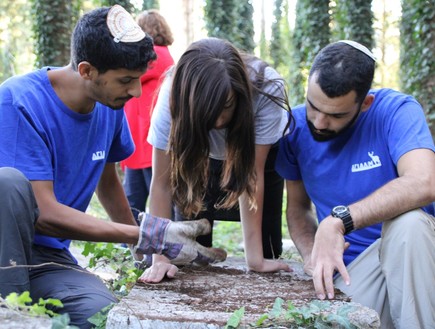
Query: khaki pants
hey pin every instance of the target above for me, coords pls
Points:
(396, 275)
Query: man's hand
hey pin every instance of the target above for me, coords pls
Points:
(327, 256)
(176, 240)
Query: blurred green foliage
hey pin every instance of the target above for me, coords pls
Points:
(53, 22)
(150, 4)
(417, 54)
(16, 43)
(231, 20)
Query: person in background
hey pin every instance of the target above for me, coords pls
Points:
(214, 132)
(138, 166)
(62, 131)
(365, 159)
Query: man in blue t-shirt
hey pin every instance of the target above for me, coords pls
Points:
(62, 130)
(365, 159)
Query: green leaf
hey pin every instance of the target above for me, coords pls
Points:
(260, 321)
(15, 300)
(99, 319)
(345, 309)
(36, 309)
(335, 319)
(277, 308)
(50, 301)
(307, 312)
(62, 322)
(235, 318)
(321, 304)
(88, 248)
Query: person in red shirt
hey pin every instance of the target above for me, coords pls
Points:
(137, 167)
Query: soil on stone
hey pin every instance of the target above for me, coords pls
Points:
(222, 289)
(208, 296)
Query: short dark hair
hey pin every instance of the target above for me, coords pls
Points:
(341, 68)
(92, 41)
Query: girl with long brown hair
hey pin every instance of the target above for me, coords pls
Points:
(214, 129)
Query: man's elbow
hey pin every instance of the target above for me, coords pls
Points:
(426, 186)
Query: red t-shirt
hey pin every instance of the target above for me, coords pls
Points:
(138, 110)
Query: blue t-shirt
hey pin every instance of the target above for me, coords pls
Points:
(358, 161)
(45, 140)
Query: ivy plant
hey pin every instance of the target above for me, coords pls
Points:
(22, 304)
(315, 315)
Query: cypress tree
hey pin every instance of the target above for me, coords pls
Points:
(417, 54)
(310, 35)
(230, 20)
(53, 24)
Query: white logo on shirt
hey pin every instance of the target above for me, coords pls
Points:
(99, 155)
(374, 163)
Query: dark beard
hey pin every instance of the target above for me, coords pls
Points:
(326, 134)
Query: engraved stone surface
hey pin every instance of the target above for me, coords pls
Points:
(206, 297)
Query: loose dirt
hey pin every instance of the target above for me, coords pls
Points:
(220, 289)
(207, 296)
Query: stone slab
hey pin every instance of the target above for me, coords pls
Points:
(10, 319)
(206, 297)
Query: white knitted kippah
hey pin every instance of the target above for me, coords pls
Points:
(360, 47)
(122, 26)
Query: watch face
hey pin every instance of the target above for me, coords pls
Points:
(339, 209)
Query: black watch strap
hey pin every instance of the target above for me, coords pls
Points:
(343, 213)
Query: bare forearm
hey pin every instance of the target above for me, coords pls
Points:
(161, 202)
(413, 189)
(302, 228)
(252, 217)
(116, 206)
(58, 220)
(398, 196)
(112, 197)
(251, 227)
(61, 221)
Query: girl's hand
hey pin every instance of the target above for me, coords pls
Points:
(161, 267)
(270, 265)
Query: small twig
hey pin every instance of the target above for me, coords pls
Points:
(134, 313)
(44, 264)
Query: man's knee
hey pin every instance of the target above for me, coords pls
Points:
(18, 200)
(412, 235)
(410, 226)
(81, 293)
(11, 178)
(16, 187)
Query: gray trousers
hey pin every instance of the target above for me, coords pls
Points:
(396, 275)
(82, 293)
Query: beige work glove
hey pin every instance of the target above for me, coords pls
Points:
(176, 240)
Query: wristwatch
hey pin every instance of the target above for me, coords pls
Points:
(343, 213)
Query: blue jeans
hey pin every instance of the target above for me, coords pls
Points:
(137, 184)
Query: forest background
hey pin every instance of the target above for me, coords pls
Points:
(286, 33)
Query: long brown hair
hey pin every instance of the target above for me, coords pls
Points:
(202, 81)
